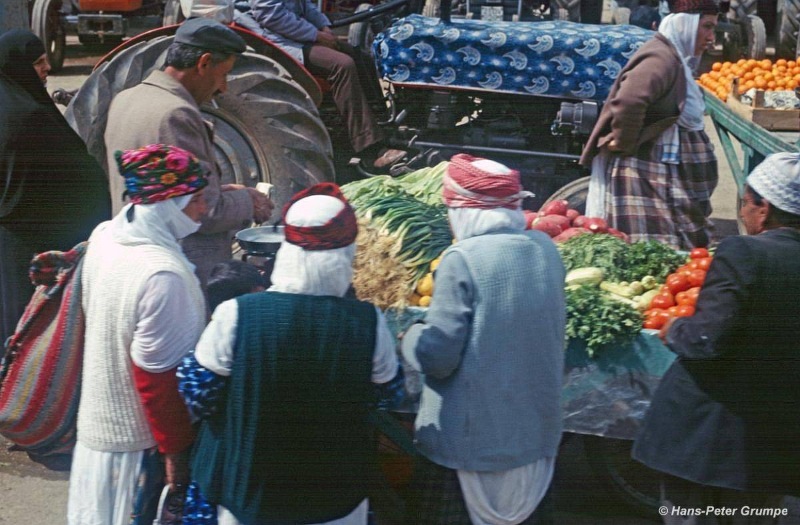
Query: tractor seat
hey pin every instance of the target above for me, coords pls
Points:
(550, 58)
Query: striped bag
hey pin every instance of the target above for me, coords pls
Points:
(40, 375)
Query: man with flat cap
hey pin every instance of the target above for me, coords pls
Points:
(165, 109)
(724, 424)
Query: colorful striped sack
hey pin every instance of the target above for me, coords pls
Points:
(40, 375)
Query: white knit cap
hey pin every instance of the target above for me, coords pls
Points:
(777, 179)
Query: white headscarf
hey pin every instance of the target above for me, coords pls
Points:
(162, 223)
(470, 222)
(681, 30)
(313, 272)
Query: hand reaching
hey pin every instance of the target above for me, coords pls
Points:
(262, 206)
(326, 37)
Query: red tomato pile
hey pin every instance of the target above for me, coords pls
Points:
(678, 295)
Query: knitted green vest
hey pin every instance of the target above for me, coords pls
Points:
(291, 443)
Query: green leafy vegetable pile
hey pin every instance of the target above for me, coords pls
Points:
(598, 320)
(620, 261)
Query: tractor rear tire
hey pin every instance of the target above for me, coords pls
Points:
(786, 46)
(267, 128)
(46, 23)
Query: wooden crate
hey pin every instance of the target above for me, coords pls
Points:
(769, 118)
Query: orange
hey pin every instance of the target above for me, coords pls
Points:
(780, 62)
(772, 85)
(716, 66)
(749, 75)
(766, 63)
(760, 82)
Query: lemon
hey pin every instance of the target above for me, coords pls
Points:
(413, 299)
(425, 285)
(425, 300)
(435, 263)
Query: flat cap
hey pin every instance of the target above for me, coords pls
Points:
(209, 35)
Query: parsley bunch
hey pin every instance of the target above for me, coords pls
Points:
(598, 320)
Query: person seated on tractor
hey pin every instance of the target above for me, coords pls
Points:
(303, 31)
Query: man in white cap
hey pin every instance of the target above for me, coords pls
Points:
(289, 441)
(724, 424)
(492, 350)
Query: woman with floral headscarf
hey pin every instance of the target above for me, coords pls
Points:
(144, 312)
(52, 192)
(653, 166)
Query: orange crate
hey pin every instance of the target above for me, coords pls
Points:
(110, 5)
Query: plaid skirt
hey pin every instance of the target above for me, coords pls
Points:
(669, 203)
(435, 498)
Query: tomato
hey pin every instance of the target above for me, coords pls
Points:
(655, 318)
(698, 253)
(662, 300)
(673, 311)
(697, 277)
(704, 263)
(677, 283)
(692, 265)
(685, 310)
(653, 323)
(694, 292)
(683, 270)
(682, 298)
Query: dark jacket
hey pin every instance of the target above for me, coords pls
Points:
(292, 443)
(646, 99)
(727, 413)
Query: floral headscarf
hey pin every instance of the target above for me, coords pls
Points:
(157, 172)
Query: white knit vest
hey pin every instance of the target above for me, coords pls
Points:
(111, 417)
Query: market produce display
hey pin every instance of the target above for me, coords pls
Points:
(678, 295)
(613, 287)
(403, 228)
(561, 222)
(609, 284)
(781, 75)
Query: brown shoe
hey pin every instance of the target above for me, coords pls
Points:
(388, 157)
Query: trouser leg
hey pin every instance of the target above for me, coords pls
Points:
(341, 71)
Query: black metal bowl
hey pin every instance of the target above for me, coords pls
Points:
(261, 240)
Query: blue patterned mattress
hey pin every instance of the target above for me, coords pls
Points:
(555, 59)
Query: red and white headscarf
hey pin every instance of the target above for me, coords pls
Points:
(482, 196)
(331, 226)
(471, 182)
(317, 256)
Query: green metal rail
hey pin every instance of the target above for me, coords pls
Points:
(755, 141)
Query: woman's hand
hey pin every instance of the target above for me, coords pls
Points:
(613, 146)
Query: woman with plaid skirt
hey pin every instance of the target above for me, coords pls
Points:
(653, 166)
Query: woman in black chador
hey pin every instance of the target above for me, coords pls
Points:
(52, 193)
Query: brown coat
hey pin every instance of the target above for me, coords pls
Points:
(161, 110)
(647, 98)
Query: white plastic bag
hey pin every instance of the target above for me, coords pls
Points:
(219, 10)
